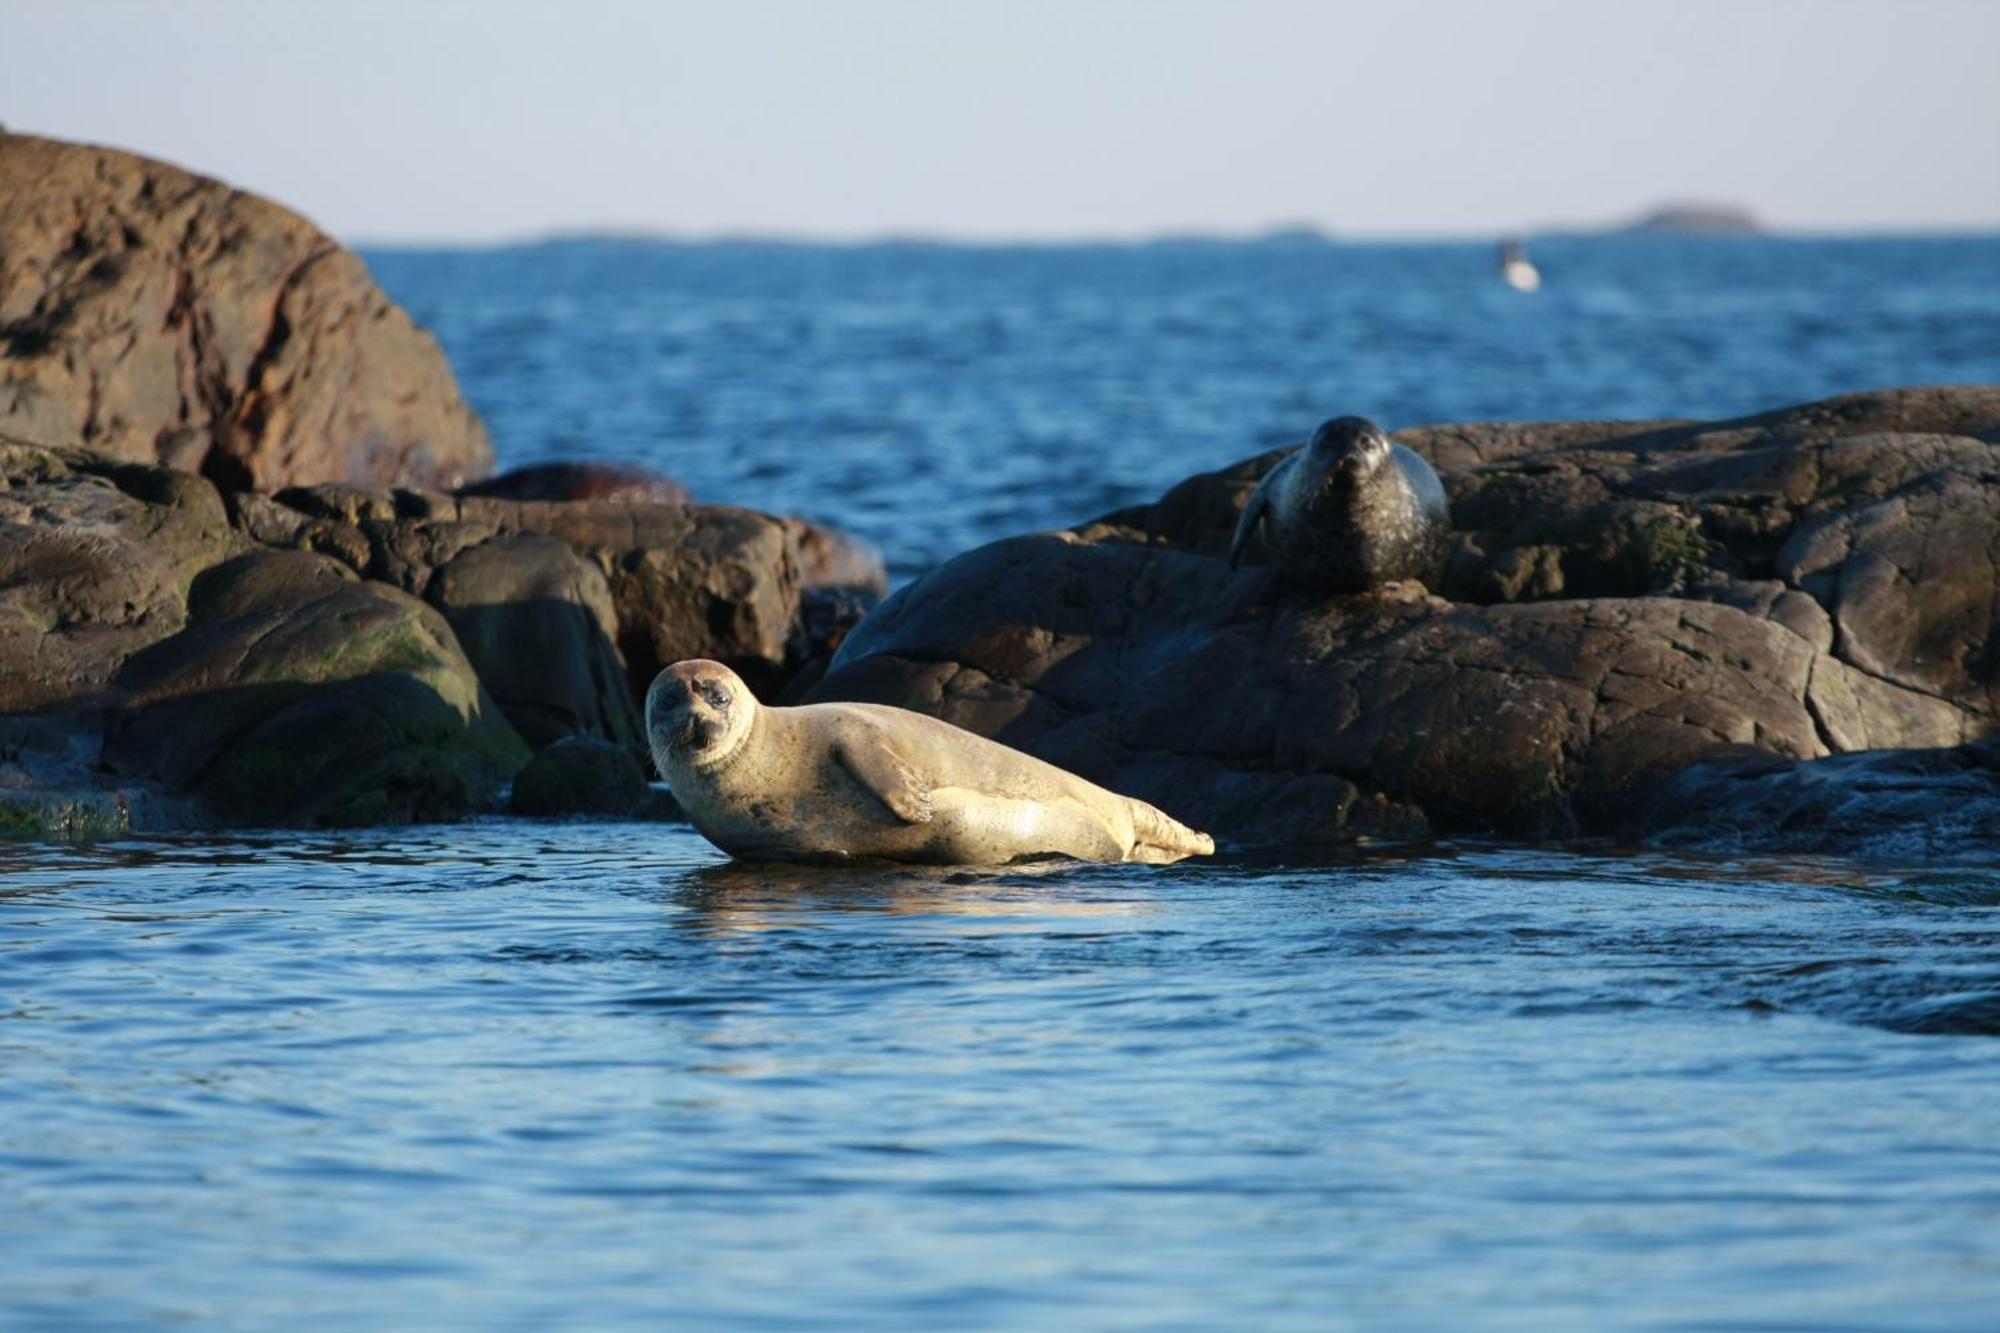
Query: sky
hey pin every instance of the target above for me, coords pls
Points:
(1033, 119)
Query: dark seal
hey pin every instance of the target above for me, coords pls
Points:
(1352, 510)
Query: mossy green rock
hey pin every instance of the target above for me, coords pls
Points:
(300, 694)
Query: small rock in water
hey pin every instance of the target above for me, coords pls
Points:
(581, 775)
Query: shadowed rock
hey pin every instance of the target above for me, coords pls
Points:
(1912, 805)
(536, 621)
(299, 694)
(581, 775)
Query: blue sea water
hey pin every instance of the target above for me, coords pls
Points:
(516, 1074)
(934, 398)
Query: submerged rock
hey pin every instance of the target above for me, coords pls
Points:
(1624, 601)
(154, 315)
(1912, 805)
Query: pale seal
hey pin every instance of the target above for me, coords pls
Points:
(838, 781)
(1351, 510)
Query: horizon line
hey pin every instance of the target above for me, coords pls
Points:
(1279, 234)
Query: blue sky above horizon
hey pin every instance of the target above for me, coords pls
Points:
(1034, 119)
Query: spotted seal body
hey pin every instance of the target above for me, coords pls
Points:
(836, 782)
(1350, 511)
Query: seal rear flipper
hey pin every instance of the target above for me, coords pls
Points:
(1160, 839)
(1253, 514)
(875, 764)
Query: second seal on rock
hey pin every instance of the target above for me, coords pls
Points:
(1350, 511)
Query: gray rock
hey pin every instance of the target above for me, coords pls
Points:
(684, 580)
(95, 562)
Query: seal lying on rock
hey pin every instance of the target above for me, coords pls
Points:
(1351, 510)
(834, 782)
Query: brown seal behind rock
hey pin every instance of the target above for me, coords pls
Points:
(1350, 511)
(838, 781)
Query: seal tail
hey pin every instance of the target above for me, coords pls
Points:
(1158, 838)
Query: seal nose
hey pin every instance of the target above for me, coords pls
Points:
(694, 733)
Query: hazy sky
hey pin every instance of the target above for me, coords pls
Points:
(408, 120)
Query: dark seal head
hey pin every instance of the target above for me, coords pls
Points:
(1347, 449)
(1350, 511)
(697, 713)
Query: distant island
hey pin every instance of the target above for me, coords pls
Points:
(1702, 219)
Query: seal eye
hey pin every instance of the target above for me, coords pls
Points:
(716, 695)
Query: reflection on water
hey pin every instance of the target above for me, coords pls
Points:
(735, 896)
(588, 1075)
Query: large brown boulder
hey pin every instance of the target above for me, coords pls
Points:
(1625, 601)
(154, 315)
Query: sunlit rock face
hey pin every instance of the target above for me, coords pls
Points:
(154, 315)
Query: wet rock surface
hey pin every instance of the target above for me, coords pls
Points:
(154, 315)
(1905, 805)
(1623, 602)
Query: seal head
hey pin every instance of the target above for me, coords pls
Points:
(1347, 449)
(698, 714)
(1350, 511)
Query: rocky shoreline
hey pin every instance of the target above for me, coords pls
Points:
(1625, 602)
(253, 572)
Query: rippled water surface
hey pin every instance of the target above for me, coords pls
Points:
(519, 1075)
(587, 1075)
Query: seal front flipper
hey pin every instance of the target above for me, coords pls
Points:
(1253, 514)
(875, 764)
